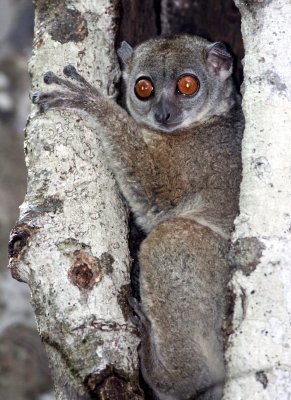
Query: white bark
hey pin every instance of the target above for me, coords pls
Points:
(259, 350)
(70, 243)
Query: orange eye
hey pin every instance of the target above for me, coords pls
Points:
(143, 88)
(188, 85)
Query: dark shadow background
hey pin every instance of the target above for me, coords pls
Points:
(24, 373)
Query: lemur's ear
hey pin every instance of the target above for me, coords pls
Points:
(218, 60)
(125, 52)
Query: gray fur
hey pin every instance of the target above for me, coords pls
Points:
(181, 179)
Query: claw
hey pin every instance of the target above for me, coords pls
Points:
(35, 97)
(69, 70)
(49, 77)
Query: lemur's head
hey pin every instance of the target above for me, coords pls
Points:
(176, 81)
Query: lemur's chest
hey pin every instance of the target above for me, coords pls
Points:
(188, 164)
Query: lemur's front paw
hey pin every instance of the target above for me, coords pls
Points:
(79, 95)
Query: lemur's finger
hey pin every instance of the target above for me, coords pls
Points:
(54, 103)
(44, 102)
(41, 97)
(71, 72)
(49, 78)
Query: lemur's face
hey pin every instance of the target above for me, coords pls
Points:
(173, 83)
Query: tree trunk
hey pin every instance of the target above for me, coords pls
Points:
(70, 243)
(259, 348)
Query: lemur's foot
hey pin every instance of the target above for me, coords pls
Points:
(78, 95)
(140, 320)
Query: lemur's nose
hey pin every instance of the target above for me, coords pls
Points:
(162, 117)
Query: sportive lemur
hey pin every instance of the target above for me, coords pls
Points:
(176, 157)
